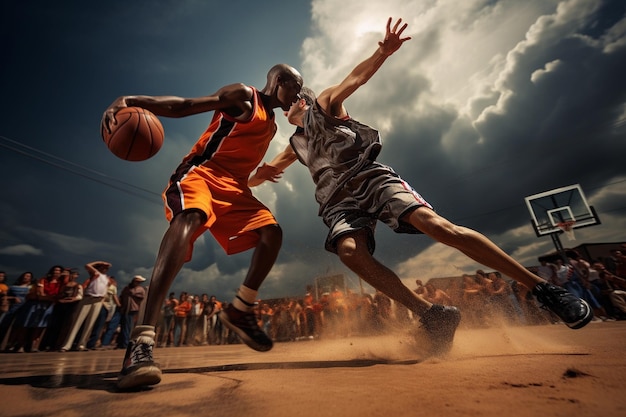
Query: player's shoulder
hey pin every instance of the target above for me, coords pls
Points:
(236, 92)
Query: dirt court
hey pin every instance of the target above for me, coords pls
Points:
(515, 371)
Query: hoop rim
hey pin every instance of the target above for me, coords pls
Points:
(566, 226)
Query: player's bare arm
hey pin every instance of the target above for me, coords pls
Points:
(272, 171)
(233, 99)
(331, 100)
(91, 267)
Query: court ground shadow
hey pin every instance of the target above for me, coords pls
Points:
(107, 381)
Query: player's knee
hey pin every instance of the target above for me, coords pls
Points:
(191, 216)
(349, 251)
(188, 221)
(271, 235)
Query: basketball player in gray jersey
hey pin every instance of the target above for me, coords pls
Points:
(354, 191)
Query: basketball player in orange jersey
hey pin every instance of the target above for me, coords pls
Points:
(209, 191)
(354, 191)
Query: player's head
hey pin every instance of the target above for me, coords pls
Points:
(283, 84)
(295, 114)
(307, 95)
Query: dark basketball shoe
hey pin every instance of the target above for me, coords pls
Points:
(139, 369)
(574, 312)
(245, 325)
(440, 322)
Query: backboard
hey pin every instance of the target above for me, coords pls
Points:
(558, 206)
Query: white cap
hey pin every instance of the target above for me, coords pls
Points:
(138, 278)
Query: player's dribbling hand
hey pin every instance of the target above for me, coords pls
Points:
(393, 41)
(108, 118)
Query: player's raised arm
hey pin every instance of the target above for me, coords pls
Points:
(331, 99)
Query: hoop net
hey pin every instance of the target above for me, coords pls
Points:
(567, 228)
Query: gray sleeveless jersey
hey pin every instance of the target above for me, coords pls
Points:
(334, 150)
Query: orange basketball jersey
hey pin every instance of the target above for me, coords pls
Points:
(233, 146)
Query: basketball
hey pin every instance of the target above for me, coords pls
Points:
(137, 136)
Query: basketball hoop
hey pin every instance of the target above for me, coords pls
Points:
(568, 228)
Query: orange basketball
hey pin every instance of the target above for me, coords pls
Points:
(137, 136)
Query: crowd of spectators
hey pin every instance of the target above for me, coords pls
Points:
(59, 313)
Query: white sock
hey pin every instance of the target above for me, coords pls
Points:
(146, 333)
(245, 299)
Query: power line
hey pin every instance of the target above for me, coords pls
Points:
(79, 170)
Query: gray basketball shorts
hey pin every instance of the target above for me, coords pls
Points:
(376, 193)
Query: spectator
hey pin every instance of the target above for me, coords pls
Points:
(109, 306)
(547, 270)
(65, 310)
(501, 305)
(35, 315)
(367, 314)
(474, 301)
(615, 289)
(600, 288)
(180, 318)
(204, 319)
(382, 307)
(192, 320)
(420, 290)
(131, 298)
(214, 330)
(95, 288)
(308, 314)
(620, 263)
(295, 311)
(167, 321)
(337, 309)
(583, 271)
(113, 316)
(17, 296)
(565, 276)
(267, 313)
(436, 295)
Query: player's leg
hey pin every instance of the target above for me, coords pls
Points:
(352, 250)
(172, 255)
(239, 316)
(139, 368)
(573, 311)
(440, 322)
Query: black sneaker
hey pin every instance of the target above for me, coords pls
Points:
(246, 328)
(139, 369)
(440, 322)
(574, 312)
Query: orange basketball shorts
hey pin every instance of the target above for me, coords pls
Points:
(233, 213)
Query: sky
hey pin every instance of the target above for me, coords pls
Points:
(489, 102)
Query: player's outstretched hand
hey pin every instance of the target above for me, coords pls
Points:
(393, 41)
(268, 173)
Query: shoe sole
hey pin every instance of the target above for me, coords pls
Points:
(144, 376)
(584, 321)
(242, 335)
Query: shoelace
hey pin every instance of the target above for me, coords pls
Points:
(554, 296)
(249, 321)
(142, 353)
